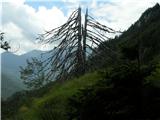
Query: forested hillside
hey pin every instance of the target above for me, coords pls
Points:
(120, 83)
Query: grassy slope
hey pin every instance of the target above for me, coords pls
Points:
(56, 98)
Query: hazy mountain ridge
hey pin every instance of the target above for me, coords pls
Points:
(10, 64)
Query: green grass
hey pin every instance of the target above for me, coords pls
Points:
(54, 102)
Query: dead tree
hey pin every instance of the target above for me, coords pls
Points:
(73, 41)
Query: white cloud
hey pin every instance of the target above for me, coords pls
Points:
(120, 14)
(50, 18)
(16, 38)
(22, 24)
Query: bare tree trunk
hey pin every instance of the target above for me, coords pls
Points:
(84, 41)
(79, 51)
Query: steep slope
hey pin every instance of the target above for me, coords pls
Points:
(145, 32)
(34, 108)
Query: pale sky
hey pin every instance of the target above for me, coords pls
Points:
(23, 20)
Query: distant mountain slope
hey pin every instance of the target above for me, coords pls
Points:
(10, 85)
(10, 63)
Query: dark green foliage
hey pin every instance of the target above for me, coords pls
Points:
(154, 78)
(130, 52)
(10, 107)
(120, 96)
(4, 44)
(105, 57)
